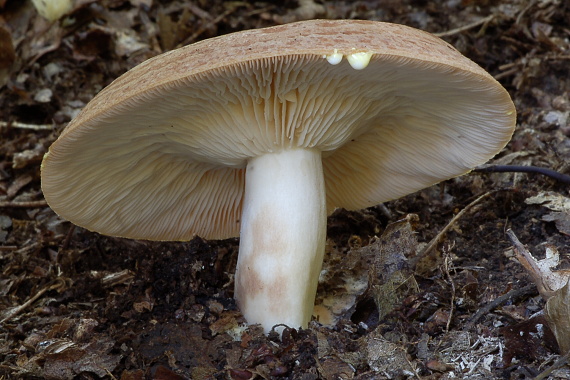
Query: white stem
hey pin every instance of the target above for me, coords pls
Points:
(282, 238)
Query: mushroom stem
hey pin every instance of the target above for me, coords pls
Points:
(282, 239)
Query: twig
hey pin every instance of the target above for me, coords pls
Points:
(523, 169)
(522, 13)
(474, 367)
(560, 56)
(436, 239)
(259, 10)
(526, 259)
(548, 281)
(18, 309)
(35, 127)
(68, 237)
(446, 262)
(110, 374)
(199, 12)
(557, 364)
(465, 27)
(511, 71)
(513, 294)
(30, 204)
(8, 247)
(414, 370)
(203, 28)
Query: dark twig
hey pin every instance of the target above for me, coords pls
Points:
(433, 243)
(558, 364)
(465, 27)
(447, 263)
(523, 169)
(513, 294)
(68, 237)
(31, 204)
(10, 313)
(203, 28)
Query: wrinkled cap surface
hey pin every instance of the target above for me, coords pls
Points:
(160, 154)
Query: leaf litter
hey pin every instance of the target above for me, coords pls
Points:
(75, 304)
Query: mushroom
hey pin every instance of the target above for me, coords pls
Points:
(262, 133)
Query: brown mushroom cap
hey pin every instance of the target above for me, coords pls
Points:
(160, 153)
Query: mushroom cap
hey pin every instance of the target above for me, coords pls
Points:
(160, 153)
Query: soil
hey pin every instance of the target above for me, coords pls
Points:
(75, 304)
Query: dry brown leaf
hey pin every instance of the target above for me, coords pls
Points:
(335, 368)
(28, 157)
(228, 321)
(557, 311)
(560, 219)
(526, 339)
(18, 184)
(63, 359)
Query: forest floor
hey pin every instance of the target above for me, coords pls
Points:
(75, 304)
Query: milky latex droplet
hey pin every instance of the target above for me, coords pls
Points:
(359, 61)
(334, 58)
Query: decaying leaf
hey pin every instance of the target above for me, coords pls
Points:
(380, 267)
(18, 184)
(28, 157)
(560, 206)
(64, 359)
(527, 339)
(334, 368)
(557, 311)
(386, 357)
(343, 279)
(391, 279)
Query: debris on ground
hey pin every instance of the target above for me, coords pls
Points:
(75, 304)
